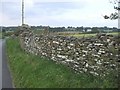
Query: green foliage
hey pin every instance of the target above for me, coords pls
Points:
(30, 71)
(17, 32)
(8, 33)
(5, 34)
(95, 30)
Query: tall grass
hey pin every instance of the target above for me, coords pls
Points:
(30, 71)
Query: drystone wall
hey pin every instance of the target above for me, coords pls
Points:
(96, 55)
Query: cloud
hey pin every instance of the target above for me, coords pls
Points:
(58, 12)
(6, 20)
(43, 0)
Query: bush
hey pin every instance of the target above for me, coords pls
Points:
(8, 33)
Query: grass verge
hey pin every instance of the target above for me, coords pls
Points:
(30, 71)
(0, 35)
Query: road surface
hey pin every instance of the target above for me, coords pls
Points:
(0, 64)
(5, 77)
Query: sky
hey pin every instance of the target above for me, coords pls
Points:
(58, 13)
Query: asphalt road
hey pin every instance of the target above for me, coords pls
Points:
(5, 76)
(0, 64)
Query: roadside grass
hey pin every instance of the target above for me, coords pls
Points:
(30, 71)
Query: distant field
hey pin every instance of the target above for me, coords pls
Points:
(74, 34)
(84, 35)
(115, 33)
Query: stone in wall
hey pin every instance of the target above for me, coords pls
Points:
(96, 55)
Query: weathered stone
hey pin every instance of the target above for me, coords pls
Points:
(96, 56)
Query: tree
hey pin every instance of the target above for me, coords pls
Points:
(114, 15)
(95, 30)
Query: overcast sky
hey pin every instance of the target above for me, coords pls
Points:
(86, 13)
